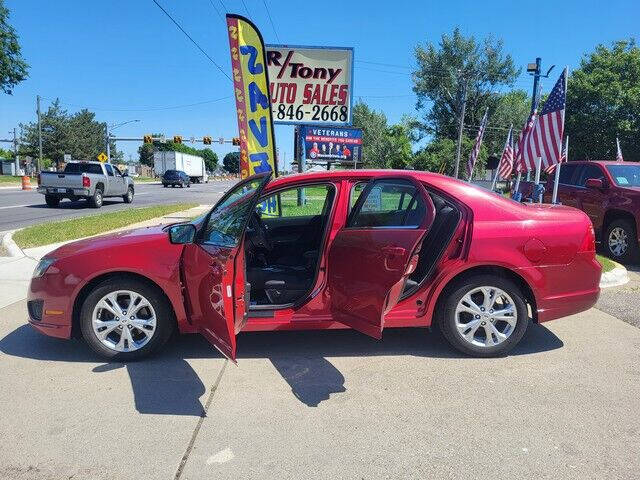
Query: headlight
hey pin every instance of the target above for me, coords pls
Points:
(42, 266)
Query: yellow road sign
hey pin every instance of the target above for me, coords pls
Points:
(102, 157)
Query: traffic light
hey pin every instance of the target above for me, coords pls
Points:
(206, 140)
(177, 139)
(235, 141)
(148, 139)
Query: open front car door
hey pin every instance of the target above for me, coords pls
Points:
(372, 256)
(213, 267)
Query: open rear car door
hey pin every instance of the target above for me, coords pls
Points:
(372, 256)
(213, 270)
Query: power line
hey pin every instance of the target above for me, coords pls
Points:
(216, 9)
(192, 40)
(245, 7)
(143, 109)
(271, 20)
(384, 64)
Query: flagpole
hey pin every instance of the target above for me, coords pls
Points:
(517, 185)
(556, 180)
(506, 144)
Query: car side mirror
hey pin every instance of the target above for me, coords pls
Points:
(594, 183)
(125, 174)
(182, 233)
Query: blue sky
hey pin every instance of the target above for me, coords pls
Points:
(125, 60)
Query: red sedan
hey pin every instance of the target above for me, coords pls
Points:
(357, 249)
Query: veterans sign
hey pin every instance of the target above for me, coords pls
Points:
(331, 144)
(310, 85)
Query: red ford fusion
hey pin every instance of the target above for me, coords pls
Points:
(359, 249)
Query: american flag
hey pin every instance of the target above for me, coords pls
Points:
(520, 165)
(476, 147)
(506, 161)
(619, 152)
(545, 139)
(563, 157)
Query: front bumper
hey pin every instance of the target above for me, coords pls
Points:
(49, 306)
(64, 192)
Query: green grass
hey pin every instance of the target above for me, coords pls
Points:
(607, 265)
(7, 180)
(54, 232)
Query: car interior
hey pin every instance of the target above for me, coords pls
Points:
(282, 249)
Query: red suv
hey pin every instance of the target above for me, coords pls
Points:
(609, 193)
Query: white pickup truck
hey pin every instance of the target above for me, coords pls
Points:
(92, 181)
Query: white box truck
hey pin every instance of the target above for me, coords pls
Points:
(192, 165)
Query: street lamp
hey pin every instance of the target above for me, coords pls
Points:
(107, 129)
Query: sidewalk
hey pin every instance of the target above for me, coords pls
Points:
(15, 272)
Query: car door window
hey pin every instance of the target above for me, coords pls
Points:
(109, 170)
(226, 222)
(388, 204)
(590, 171)
(307, 201)
(567, 173)
(117, 172)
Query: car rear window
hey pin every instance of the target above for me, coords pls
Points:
(82, 168)
(171, 172)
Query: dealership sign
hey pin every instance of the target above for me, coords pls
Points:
(331, 144)
(310, 85)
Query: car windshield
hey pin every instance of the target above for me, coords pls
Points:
(625, 175)
(82, 168)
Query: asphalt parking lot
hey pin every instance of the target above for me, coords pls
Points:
(325, 405)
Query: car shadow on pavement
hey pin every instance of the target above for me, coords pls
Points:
(167, 384)
(76, 205)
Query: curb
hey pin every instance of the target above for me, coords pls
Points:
(10, 246)
(614, 278)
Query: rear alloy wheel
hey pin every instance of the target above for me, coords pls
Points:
(125, 320)
(484, 316)
(128, 198)
(96, 199)
(620, 241)
(52, 201)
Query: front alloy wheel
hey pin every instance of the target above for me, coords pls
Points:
(620, 241)
(483, 315)
(126, 319)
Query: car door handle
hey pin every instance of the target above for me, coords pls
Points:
(394, 251)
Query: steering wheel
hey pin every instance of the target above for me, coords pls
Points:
(257, 231)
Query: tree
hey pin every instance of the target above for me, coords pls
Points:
(13, 68)
(383, 146)
(78, 134)
(439, 156)
(603, 101)
(442, 70)
(231, 162)
(512, 108)
(210, 158)
(146, 154)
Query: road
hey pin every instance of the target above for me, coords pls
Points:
(20, 208)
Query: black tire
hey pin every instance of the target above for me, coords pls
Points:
(164, 185)
(97, 199)
(189, 185)
(165, 319)
(52, 201)
(614, 230)
(447, 317)
(128, 198)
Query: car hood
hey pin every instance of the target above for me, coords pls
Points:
(122, 239)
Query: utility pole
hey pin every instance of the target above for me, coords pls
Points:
(463, 95)
(106, 137)
(15, 150)
(536, 79)
(39, 166)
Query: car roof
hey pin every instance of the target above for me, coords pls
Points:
(601, 162)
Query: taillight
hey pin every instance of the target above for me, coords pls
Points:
(86, 182)
(589, 241)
